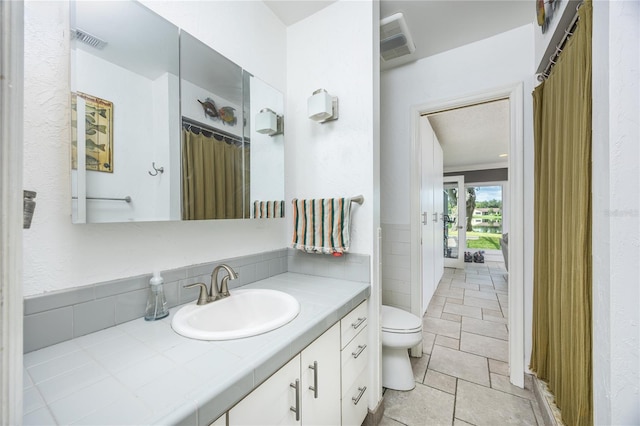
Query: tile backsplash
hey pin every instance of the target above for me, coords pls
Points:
(55, 317)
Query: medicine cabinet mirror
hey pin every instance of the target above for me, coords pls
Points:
(168, 128)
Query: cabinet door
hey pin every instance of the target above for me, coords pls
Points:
(271, 403)
(320, 371)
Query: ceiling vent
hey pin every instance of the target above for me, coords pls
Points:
(88, 39)
(395, 40)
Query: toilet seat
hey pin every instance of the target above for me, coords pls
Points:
(396, 320)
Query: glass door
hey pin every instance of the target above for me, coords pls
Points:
(454, 220)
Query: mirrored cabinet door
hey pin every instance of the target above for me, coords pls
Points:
(125, 112)
(165, 128)
(215, 154)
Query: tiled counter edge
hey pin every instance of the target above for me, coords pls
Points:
(59, 316)
(205, 378)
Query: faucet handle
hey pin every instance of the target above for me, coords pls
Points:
(203, 298)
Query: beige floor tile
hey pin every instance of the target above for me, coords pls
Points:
(465, 311)
(480, 279)
(441, 381)
(458, 293)
(481, 294)
(502, 383)
(504, 300)
(482, 303)
(498, 367)
(448, 342)
(482, 406)
(386, 421)
(434, 311)
(458, 422)
(427, 341)
(437, 301)
(462, 284)
(421, 406)
(494, 316)
(419, 367)
(459, 364)
(485, 328)
(454, 300)
(451, 317)
(442, 327)
(484, 346)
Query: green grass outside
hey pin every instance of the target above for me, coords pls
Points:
(482, 240)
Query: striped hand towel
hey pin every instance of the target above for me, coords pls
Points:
(321, 225)
(264, 209)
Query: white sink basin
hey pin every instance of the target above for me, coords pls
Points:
(245, 313)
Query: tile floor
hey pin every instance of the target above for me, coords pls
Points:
(463, 375)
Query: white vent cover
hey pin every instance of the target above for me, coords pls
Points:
(86, 38)
(395, 40)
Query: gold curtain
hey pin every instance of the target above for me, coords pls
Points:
(215, 178)
(561, 353)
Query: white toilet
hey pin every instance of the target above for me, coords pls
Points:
(401, 330)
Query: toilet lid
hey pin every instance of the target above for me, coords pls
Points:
(399, 321)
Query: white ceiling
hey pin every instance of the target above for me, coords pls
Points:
(472, 137)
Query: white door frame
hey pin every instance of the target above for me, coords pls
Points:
(516, 218)
(462, 221)
(11, 303)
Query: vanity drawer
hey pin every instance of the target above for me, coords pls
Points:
(354, 360)
(353, 323)
(354, 401)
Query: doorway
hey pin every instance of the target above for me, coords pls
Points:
(514, 95)
(454, 223)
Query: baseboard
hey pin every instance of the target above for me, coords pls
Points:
(550, 412)
(374, 417)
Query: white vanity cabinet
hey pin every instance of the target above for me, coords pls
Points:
(305, 391)
(354, 358)
(320, 365)
(271, 402)
(325, 384)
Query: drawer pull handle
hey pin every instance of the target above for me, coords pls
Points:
(358, 323)
(314, 388)
(357, 353)
(356, 399)
(296, 409)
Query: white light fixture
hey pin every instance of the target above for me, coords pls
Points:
(322, 107)
(269, 123)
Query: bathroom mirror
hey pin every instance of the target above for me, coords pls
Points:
(151, 95)
(124, 82)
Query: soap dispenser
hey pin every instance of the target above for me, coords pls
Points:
(157, 303)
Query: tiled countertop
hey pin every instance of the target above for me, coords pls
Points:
(144, 373)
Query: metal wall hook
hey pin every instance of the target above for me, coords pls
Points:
(156, 169)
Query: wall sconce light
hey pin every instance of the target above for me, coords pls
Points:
(269, 123)
(322, 107)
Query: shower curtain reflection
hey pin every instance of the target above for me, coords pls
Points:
(215, 177)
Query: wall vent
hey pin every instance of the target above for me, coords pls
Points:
(86, 38)
(395, 39)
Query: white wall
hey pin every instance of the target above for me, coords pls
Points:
(60, 255)
(496, 62)
(616, 212)
(332, 50)
(337, 49)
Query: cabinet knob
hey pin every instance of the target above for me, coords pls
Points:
(356, 399)
(358, 323)
(357, 353)
(314, 388)
(296, 409)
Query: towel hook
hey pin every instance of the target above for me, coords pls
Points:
(156, 169)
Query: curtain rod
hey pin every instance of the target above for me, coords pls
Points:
(560, 46)
(193, 123)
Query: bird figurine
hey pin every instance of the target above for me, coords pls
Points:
(209, 108)
(228, 115)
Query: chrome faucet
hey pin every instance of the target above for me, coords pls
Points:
(223, 290)
(215, 292)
